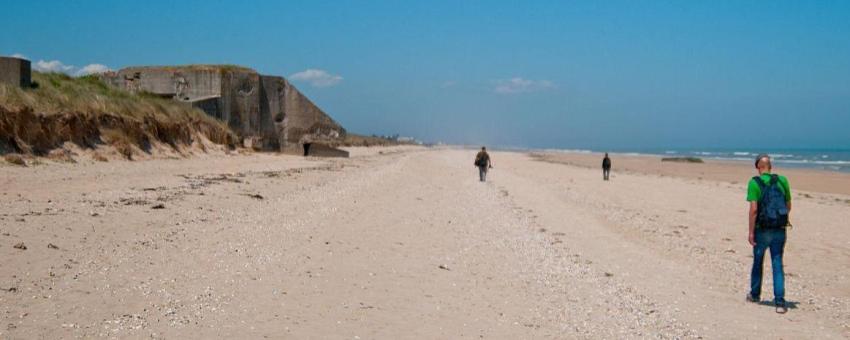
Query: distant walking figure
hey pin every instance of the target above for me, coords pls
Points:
(482, 161)
(606, 167)
(770, 203)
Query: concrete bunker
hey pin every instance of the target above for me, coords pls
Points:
(267, 112)
(323, 150)
(15, 71)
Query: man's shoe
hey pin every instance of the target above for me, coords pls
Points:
(781, 308)
(751, 298)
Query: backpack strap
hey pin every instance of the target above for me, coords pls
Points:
(760, 183)
(774, 178)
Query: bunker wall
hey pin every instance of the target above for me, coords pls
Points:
(15, 71)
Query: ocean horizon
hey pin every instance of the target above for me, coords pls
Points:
(814, 158)
(827, 159)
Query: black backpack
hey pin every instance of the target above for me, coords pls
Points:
(481, 160)
(772, 209)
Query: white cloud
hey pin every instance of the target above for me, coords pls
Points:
(19, 56)
(317, 78)
(60, 67)
(52, 66)
(519, 85)
(92, 69)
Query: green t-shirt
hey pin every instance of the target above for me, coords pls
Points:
(754, 192)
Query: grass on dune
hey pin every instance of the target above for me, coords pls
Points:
(86, 111)
(56, 93)
(222, 68)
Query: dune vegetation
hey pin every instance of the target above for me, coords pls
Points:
(58, 109)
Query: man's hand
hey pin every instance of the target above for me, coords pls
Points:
(752, 239)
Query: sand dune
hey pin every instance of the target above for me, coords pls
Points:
(400, 243)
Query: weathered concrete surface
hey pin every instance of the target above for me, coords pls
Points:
(230, 94)
(323, 150)
(273, 111)
(266, 111)
(306, 122)
(15, 71)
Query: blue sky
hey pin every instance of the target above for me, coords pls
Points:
(568, 74)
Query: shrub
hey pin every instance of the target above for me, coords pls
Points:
(15, 159)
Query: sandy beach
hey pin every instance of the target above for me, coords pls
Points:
(406, 243)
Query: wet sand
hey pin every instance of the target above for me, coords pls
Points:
(398, 243)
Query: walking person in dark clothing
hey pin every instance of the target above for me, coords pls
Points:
(606, 167)
(770, 204)
(482, 161)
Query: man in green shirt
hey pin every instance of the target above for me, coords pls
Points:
(762, 238)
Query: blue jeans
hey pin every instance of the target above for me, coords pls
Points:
(773, 239)
(482, 173)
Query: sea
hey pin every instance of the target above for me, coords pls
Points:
(821, 159)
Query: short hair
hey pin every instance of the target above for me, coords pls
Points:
(483, 148)
(760, 157)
